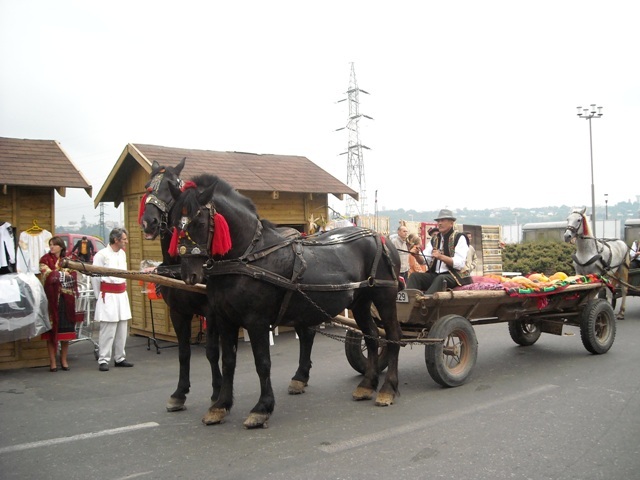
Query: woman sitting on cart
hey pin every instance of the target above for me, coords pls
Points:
(446, 255)
(60, 286)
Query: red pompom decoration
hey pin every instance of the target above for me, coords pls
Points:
(173, 246)
(141, 210)
(221, 243)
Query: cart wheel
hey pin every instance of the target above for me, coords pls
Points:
(356, 351)
(598, 326)
(524, 333)
(450, 362)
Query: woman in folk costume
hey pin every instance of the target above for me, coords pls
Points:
(61, 288)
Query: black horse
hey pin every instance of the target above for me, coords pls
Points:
(183, 305)
(258, 278)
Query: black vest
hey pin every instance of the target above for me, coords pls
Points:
(447, 243)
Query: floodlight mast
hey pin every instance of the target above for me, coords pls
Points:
(588, 114)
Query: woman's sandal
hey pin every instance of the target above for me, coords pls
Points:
(53, 369)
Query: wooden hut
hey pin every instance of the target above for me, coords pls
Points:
(30, 172)
(287, 190)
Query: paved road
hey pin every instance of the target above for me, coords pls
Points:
(549, 411)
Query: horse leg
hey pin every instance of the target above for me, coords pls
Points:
(261, 412)
(369, 383)
(301, 377)
(620, 315)
(228, 333)
(182, 326)
(624, 276)
(389, 317)
(213, 355)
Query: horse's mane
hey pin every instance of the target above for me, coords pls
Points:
(586, 227)
(223, 193)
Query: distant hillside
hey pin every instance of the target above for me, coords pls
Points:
(511, 216)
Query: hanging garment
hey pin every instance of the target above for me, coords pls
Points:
(30, 248)
(7, 246)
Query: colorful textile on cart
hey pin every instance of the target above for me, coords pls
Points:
(540, 290)
(517, 289)
(546, 288)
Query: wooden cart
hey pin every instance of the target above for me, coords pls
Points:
(445, 322)
(634, 286)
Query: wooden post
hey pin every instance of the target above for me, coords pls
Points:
(133, 275)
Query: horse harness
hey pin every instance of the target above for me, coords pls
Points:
(244, 265)
(606, 264)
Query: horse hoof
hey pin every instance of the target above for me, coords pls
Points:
(296, 387)
(362, 393)
(256, 420)
(384, 399)
(176, 404)
(214, 416)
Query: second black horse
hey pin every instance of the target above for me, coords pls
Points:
(258, 278)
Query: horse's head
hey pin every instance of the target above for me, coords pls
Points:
(157, 202)
(577, 225)
(200, 232)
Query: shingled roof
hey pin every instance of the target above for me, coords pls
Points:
(38, 163)
(245, 171)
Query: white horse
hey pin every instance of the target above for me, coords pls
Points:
(598, 256)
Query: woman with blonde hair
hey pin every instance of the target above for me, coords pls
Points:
(416, 259)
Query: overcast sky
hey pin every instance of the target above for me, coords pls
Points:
(474, 103)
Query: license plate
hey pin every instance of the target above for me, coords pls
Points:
(402, 297)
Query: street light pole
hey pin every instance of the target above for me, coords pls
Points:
(588, 114)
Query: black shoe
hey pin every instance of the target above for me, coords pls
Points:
(123, 363)
(103, 367)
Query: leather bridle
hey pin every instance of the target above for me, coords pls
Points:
(187, 246)
(152, 198)
(574, 230)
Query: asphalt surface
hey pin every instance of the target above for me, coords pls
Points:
(549, 411)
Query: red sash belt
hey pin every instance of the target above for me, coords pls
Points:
(112, 288)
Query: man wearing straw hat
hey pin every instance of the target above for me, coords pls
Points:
(446, 255)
